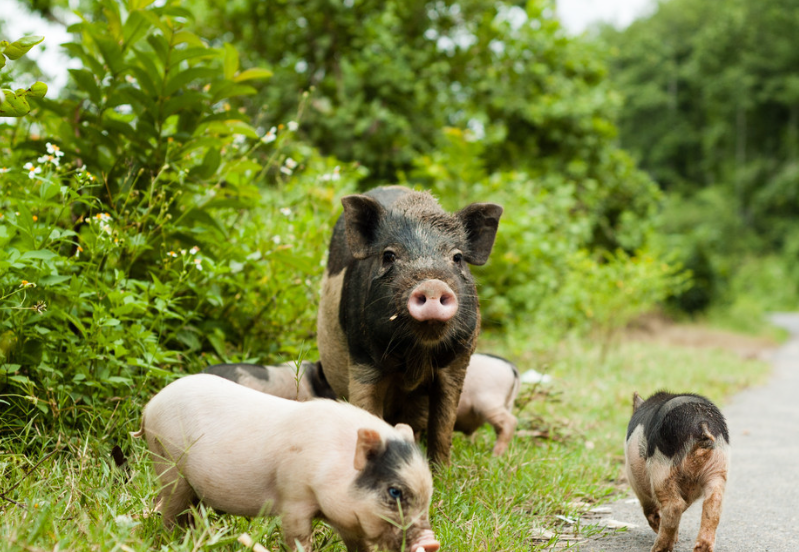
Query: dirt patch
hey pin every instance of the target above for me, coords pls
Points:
(658, 328)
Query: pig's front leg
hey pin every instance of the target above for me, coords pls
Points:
(365, 392)
(298, 526)
(444, 396)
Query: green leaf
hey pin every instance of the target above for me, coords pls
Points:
(87, 83)
(182, 78)
(253, 74)
(230, 90)
(43, 254)
(232, 127)
(231, 61)
(135, 28)
(17, 49)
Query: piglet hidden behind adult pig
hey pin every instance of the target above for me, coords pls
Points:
(677, 450)
(248, 453)
(285, 380)
(399, 315)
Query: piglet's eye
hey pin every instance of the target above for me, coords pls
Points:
(394, 493)
(457, 258)
(389, 257)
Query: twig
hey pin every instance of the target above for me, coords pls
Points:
(30, 471)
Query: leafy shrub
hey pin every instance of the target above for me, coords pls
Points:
(137, 235)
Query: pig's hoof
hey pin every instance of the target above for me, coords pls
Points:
(703, 546)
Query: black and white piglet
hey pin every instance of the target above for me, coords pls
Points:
(677, 451)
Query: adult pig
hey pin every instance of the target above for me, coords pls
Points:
(283, 380)
(248, 453)
(399, 315)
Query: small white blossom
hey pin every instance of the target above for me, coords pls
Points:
(52, 149)
(103, 217)
(293, 126)
(4, 170)
(285, 211)
(49, 159)
(27, 284)
(285, 170)
(291, 163)
(276, 240)
(198, 263)
(171, 254)
(194, 250)
(270, 136)
(32, 169)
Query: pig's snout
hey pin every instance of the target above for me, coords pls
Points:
(426, 542)
(433, 300)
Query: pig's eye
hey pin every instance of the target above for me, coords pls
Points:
(389, 257)
(394, 493)
(457, 258)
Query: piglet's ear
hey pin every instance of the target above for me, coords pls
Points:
(362, 216)
(405, 430)
(369, 445)
(481, 221)
(637, 401)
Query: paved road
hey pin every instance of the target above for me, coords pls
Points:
(761, 505)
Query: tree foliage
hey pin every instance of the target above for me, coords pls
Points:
(172, 207)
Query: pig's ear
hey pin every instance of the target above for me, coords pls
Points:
(481, 221)
(637, 401)
(406, 431)
(369, 445)
(362, 216)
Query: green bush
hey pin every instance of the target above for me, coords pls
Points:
(146, 224)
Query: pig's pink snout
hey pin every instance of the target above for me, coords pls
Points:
(426, 542)
(432, 300)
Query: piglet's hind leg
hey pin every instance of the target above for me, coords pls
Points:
(711, 513)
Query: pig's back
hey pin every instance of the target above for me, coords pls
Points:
(234, 444)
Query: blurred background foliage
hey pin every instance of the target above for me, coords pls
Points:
(199, 152)
(712, 113)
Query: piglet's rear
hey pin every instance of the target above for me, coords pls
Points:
(248, 453)
(677, 450)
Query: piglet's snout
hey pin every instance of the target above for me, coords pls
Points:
(426, 542)
(432, 300)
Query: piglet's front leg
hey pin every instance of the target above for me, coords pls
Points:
(444, 397)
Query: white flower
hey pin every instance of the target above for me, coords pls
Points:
(276, 240)
(285, 211)
(32, 169)
(198, 264)
(103, 217)
(49, 159)
(270, 136)
(194, 250)
(285, 170)
(293, 126)
(4, 170)
(291, 163)
(54, 150)
(171, 254)
(106, 228)
(332, 176)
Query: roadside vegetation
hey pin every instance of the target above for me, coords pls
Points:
(171, 208)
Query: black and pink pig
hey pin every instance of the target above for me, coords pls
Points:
(399, 315)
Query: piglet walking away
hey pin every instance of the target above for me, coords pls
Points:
(677, 450)
(283, 380)
(251, 454)
(489, 391)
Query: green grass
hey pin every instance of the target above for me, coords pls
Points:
(79, 500)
